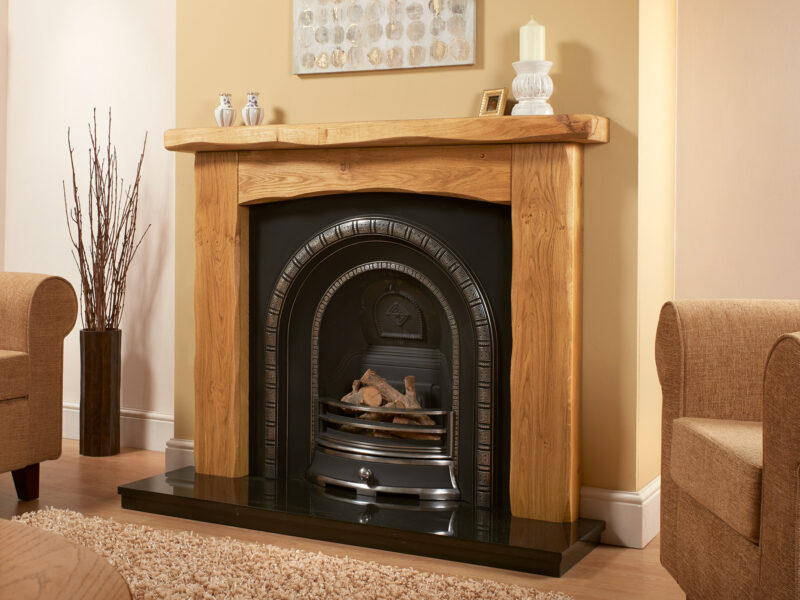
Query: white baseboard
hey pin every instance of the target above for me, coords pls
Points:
(632, 518)
(138, 428)
(179, 454)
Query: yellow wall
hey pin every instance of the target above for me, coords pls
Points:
(594, 46)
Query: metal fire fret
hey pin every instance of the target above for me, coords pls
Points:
(331, 436)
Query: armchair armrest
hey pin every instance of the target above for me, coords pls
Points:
(36, 313)
(33, 307)
(711, 355)
(780, 521)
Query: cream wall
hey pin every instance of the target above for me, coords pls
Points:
(64, 59)
(595, 47)
(738, 184)
(656, 217)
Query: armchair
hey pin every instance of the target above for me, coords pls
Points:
(730, 380)
(36, 313)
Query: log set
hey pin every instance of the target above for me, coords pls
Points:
(374, 391)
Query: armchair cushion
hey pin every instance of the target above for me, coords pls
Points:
(719, 463)
(15, 374)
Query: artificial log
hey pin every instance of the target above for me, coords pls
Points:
(366, 395)
(371, 390)
(411, 402)
(386, 389)
(394, 398)
(375, 416)
(422, 419)
(371, 396)
(411, 391)
(348, 397)
(411, 435)
(377, 433)
(390, 393)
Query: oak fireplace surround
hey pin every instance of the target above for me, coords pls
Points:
(535, 164)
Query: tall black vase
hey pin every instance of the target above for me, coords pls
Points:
(101, 357)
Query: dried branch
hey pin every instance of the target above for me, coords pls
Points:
(104, 253)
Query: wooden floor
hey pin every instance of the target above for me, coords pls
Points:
(89, 485)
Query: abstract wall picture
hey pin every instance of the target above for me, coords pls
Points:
(371, 35)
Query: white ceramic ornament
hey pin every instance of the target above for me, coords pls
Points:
(532, 87)
(252, 114)
(225, 114)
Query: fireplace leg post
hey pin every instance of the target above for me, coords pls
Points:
(221, 308)
(547, 224)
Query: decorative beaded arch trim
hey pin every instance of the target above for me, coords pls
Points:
(472, 294)
(381, 265)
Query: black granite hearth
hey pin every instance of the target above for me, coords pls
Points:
(448, 530)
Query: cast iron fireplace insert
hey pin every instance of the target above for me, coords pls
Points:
(372, 285)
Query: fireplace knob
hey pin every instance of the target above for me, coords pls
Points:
(365, 473)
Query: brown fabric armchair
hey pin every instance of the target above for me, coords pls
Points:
(730, 512)
(36, 313)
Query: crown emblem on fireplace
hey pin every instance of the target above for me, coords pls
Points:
(398, 314)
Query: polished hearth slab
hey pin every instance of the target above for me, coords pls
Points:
(448, 530)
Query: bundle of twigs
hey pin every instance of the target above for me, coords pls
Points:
(105, 243)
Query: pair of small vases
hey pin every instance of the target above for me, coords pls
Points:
(225, 114)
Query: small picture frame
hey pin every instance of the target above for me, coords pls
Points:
(493, 103)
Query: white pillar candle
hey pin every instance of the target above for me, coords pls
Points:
(531, 41)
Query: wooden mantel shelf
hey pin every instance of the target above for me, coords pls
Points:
(581, 129)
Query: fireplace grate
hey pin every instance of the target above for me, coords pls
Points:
(371, 457)
(346, 433)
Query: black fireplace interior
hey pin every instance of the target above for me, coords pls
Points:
(401, 284)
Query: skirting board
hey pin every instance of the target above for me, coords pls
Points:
(138, 428)
(179, 454)
(632, 518)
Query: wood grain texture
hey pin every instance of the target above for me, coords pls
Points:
(90, 485)
(547, 225)
(221, 302)
(426, 132)
(39, 565)
(473, 172)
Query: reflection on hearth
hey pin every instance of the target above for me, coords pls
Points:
(397, 512)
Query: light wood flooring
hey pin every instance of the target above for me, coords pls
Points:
(89, 485)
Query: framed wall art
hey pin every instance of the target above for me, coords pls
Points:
(371, 35)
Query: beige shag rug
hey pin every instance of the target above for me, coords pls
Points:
(160, 563)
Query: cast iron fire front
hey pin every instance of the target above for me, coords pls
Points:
(379, 293)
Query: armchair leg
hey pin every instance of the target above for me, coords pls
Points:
(26, 480)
